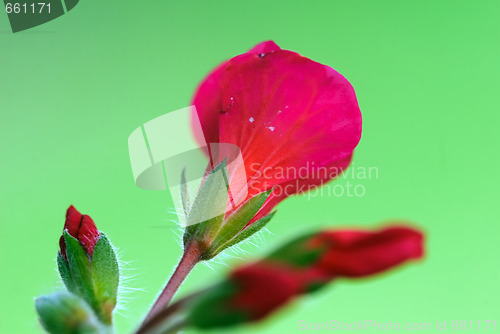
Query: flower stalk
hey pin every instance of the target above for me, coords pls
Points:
(191, 256)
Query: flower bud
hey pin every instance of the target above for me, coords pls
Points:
(358, 253)
(87, 264)
(301, 266)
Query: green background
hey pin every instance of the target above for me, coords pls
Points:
(426, 75)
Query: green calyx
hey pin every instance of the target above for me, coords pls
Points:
(205, 216)
(106, 277)
(211, 308)
(236, 236)
(95, 280)
(206, 213)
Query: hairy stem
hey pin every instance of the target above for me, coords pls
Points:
(175, 310)
(189, 259)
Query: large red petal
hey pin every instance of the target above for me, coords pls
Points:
(208, 105)
(287, 114)
(295, 120)
(301, 185)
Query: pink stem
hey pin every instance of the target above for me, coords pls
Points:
(189, 259)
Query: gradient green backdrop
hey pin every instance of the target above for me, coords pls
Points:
(426, 75)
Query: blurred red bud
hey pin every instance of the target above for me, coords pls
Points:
(304, 265)
(262, 288)
(356, 253)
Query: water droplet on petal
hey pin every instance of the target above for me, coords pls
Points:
(261, 55)
(251, 120)
(231, 103)
(271, 128)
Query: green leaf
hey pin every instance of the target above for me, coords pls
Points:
(65, 274)
(106, 277)
(66, 313)
(209, 206)
(80, 267)
(245, 234)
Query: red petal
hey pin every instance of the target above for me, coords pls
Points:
(208, 105)
(300, 186)
(354, 253)
(73, 221)
(88, 234)
(287, 113)
(264, 47)
(208, 102)
(81, 227)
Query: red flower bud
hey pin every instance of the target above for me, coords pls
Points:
(355, 253)
(80, 227)
(307, 264)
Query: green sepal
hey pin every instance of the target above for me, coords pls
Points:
(207, 230)
(65, 274)
(211, 202)
(106, 277)
(239, 219)
(210, 309)
(80, 267)
(297, 252)
(95, 281)
(66, 313)
(244, 234)
(312, 287)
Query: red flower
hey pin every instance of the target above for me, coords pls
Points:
(81, 227)
(295, 121)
